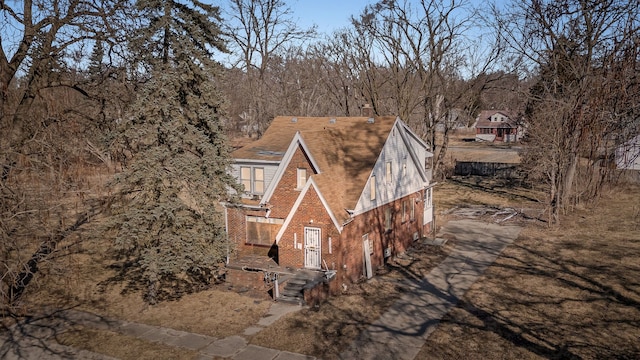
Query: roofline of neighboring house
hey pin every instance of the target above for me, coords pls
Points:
(294, 209)
(284, 163)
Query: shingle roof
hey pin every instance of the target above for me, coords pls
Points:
(484, 119)
(345, 149)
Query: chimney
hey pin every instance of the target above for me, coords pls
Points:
(367, 111)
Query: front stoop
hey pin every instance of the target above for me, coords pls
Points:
(294, 287)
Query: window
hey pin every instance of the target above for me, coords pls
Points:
(372, 187)
(388, 172)
(405, 210)
(427, 198)
(387, 219)
(261, 230)
(427, 163)
(252, 179)
(301, 178)
(258, 180)
(245, 178)
(413, 209)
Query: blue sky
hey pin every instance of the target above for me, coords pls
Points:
(329, 15)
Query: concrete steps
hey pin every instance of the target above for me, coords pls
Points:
(294, 286)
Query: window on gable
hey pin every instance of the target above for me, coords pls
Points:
(245, 178)
(372, 187)
(388, 172)
(258, 180)
(301, 176)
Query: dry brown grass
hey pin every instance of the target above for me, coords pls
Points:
(567, 292)
(122, 346)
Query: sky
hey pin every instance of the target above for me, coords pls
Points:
(328, 15)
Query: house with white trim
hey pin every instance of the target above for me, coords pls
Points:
(326, 202)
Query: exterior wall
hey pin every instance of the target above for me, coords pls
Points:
(248, 280)
(286, 193)
(310, 213)
(405, 178)
(237, 234)
(509, 134)
(398, 239)
(269, 171)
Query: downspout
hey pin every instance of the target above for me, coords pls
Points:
(226, 230)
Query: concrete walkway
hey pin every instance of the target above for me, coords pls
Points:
(401, 332)
(35, 338)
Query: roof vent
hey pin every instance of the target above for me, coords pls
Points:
(332, 121)
(370, 120)
(294, 120)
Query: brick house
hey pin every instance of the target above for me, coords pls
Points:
(497, 126)
(327, 200)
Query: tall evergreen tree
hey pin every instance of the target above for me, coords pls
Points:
(168, 223)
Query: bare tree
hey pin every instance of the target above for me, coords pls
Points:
(259, 30)
(580, 102)
(47, 113)
(423, 48)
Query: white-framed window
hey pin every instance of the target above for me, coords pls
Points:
(427, 163)
(258, 180)
(387, 218)
(405, 210)
(388, 172)
(372, 187)
(427, 198)
(245, 178)
(252, 178)
(412, 203)
(301, 178)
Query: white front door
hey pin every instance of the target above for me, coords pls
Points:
(312, 254)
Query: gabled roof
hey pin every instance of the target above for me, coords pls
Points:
(311, 183)
(344, 149)
(484, 119)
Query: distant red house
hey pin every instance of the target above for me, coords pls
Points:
(326, 202)
(497, 126)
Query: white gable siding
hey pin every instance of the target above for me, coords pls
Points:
(269, 170)
(405, 177)
(422, 154)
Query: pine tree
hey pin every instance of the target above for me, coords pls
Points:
(169, 225)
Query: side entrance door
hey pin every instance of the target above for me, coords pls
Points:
(366, 246)
(312, 253)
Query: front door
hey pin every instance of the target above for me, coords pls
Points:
(312, 254)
